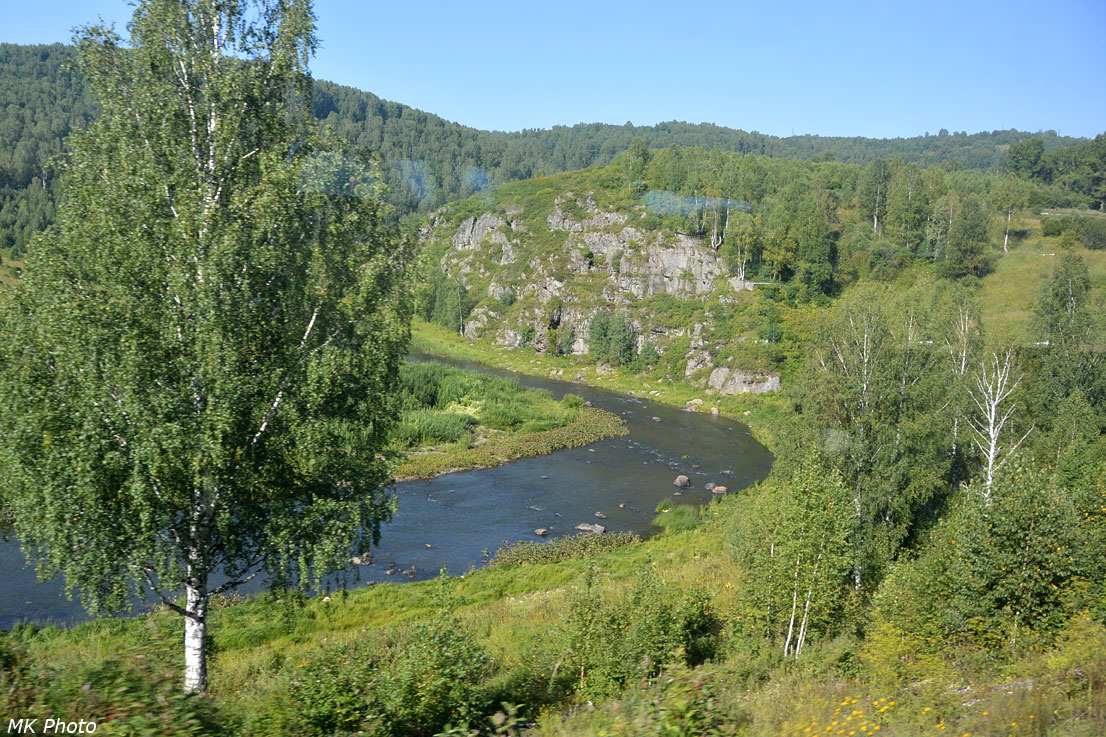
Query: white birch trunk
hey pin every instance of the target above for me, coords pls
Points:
(794, 606)
(195, 639)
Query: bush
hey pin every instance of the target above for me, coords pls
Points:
(565, 340)
(1093, 232)
(433, 680)
(638, 635)
(574, 547)
(126, 697)
(1051, 227)
(333, 691)
(571, 400)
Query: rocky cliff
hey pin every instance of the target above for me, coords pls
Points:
(540, 263)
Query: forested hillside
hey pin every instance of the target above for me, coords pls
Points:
(695, 260)
(430, 161)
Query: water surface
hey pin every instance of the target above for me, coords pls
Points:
(455, 520)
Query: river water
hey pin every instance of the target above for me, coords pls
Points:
(453, 521)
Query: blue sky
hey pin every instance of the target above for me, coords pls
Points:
(880, 69)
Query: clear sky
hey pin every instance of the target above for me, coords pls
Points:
(879, 69)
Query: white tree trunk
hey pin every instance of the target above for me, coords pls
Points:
(195, 640)
(993, 387)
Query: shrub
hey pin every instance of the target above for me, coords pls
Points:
(1093, 232)
(633, 638)
(565, 340)
(433, 680)
(571, 400)
(564, 548)
(127, 697)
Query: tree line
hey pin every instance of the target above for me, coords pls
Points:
(428, 161)
(936, 490)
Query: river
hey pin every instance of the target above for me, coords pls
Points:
(452, 521)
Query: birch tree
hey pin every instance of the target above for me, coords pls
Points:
(993, 385)
(197, 363)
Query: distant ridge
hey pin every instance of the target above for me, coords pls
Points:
(430, 161)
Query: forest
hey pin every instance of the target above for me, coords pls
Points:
(430, 161)
(203, 380)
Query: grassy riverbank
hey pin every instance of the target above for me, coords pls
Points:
(377, 660)
(457, 420)
(763, 413)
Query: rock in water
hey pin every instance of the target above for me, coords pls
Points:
(710, 486)
(586, 527)
(541, 532)
(600, 515)
(656, 419)
(682, 481)
(719, 490)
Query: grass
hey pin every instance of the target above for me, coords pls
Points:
(452, 420)
(1011, 290)
(517, 612)
(9, 270)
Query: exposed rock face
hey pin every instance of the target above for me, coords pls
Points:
(477, 322)
(564, 263)
(472, 232)
(735, 381)
(697, 360)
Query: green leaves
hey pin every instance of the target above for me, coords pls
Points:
(203, 348)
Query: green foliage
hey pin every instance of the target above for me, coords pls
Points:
(1024, 158)
(611, 338)
(1001, 571)
(126, 697)
(634, 637)
(566, 338)
(419, 427)
(793, 543)
(433, 679)
(967, 241)
(573, 547)
(444, 301)
(221, 404)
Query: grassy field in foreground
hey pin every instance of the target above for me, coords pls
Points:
(285, 665)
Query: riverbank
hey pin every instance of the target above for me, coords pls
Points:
(764, 414)
(590, 426)
(453, 419)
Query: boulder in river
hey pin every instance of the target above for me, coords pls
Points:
(600, 515)
(541, 532)
(656, 419)
(719, 490)
(710, 486)
(587, 527)
(365, 559)
(682, 481)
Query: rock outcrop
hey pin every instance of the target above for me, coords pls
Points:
(736, 381)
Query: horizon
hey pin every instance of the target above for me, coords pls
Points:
(866, 72)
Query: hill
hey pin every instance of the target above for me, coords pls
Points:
(710, 266)
(428, 160)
